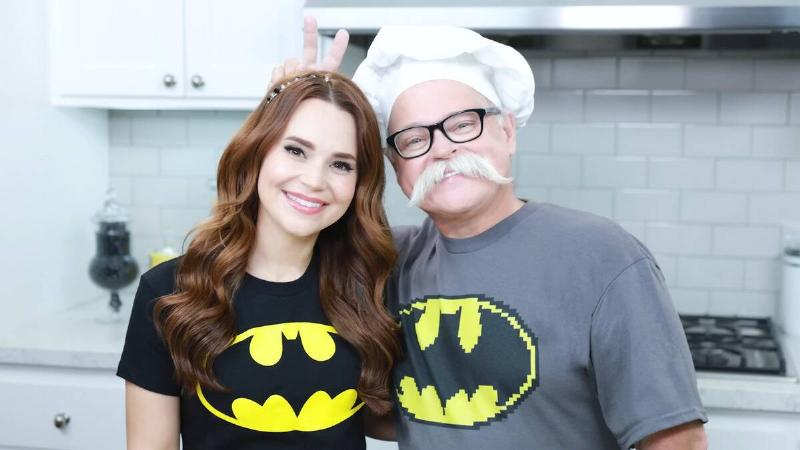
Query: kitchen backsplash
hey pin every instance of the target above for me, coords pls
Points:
(697, 156)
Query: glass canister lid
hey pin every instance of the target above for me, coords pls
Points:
(111, 211)
(791, 248)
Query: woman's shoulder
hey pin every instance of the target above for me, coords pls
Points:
(161, 278)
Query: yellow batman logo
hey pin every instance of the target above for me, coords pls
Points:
(434, 390)
(275, 414)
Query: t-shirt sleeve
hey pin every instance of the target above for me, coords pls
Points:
(640, 359)
(403, 240)
(402, 236)
(145, 359)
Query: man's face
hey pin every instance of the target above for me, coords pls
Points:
(429, 102)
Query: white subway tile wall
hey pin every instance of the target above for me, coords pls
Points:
(647, 205)
(778, 142)
(705, 140)
(548, 170)
(749, 175)
(559, 106)
(777, 74)
(655, 139)
(587, 73)
(652, 73)
(580, 138)
(719, 74)
(774, 208)
(681, 173)
(696, 156)
(748, 108)
(617, 105)
(163, 169)
(669, 267)
(792, 176)
(684, 107)
(678, 238)
(713, 207)
(615, 171)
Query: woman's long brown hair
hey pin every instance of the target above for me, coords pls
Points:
(356, 253)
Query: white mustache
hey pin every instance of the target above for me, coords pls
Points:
(468, 164)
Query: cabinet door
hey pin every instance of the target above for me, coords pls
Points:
(32, 397)
(233, 45)
(117, 47)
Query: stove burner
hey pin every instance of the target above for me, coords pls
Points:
(733, 344)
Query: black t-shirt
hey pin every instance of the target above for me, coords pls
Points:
(282, 370)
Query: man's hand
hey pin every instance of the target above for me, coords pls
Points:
(330, 63)
(689, 436)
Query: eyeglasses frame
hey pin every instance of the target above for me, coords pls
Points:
(482, 112)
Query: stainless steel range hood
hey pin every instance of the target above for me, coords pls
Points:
(616, 26)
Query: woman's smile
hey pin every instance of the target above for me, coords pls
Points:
(304, 204)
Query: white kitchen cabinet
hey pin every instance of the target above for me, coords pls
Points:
(34, 396)
(729, 429)
(118, 48)
(174, 54)
(233, 45)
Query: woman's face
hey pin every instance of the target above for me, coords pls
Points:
(308, 179)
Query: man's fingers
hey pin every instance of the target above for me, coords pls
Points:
(334, 57)
(332, 60)
(310, 38)
(277, 73)
(309, 57)
(290, 66)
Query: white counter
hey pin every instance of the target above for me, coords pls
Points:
(74, 338)
(756, 393)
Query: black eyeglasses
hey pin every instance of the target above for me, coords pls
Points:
(460, 127)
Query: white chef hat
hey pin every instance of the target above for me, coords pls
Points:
(403, 56)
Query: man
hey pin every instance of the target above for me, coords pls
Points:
(525, 324)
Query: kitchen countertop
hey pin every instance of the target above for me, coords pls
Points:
(75, 338)
(756, 392)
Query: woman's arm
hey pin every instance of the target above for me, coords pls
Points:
(152, 420)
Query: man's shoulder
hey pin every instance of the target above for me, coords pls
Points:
(408, 234)
(411, 240)
(584, 233)
(571, 220)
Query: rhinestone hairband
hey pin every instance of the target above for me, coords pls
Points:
(286, 84)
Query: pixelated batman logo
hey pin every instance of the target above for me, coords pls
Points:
(275, 414)
(470, 360)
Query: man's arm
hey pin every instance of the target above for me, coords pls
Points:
(689, 436)
(380, 427)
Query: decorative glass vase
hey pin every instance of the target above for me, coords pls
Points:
(112, 267)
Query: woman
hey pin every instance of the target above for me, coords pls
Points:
(270, 332)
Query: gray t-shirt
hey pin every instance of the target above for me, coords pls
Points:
(554, 329)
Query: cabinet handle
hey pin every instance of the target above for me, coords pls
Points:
(61, 420)
(197, 81)
(169, 80)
